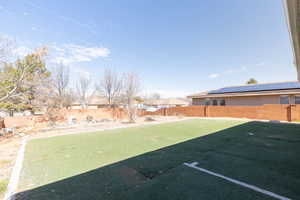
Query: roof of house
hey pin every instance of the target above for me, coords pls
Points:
(292, 13)
(253, 89)
(98, 100)
(94, 100)
(169, 101)
(257, 87)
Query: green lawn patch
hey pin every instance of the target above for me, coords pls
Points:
(146, 162)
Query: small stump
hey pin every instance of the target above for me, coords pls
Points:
(2, 124)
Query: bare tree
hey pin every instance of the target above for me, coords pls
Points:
(6, 45)
(83, 90)
(61, 76)
(110, 86)
(17, 79)
(5, 48)
(44, 95)
(131, 89)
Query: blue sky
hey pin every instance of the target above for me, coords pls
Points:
(176, 47)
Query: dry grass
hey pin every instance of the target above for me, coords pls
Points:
(4, 162)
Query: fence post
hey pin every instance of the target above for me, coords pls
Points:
(2, 123)
(206, 111)
(292, 113)
(165, 111)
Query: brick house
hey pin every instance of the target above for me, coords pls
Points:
(94, 102)
(166, 103)
(250, 95)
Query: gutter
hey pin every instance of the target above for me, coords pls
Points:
(291, 11)
(247, 94)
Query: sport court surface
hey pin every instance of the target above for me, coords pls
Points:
(147, 162)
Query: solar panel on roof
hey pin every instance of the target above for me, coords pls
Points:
(257, 87)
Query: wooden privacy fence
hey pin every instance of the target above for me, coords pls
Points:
(268, 112)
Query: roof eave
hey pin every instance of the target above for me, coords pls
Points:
(265, 93)
(292, 13)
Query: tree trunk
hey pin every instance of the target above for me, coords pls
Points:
(131, 111)
(2, 124)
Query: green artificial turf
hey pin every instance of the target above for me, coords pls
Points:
(146, 162)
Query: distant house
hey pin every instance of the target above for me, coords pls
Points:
(250, 95)
(94, 102)
(166, 103)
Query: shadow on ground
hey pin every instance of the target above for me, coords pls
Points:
(262, 154)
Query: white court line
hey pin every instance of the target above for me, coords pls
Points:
(252, 187)
(15, 176)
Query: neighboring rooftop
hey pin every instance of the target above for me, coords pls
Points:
(94, 100)
(257, 87)
(169, 101)
(253, 89)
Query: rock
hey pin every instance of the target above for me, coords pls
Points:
(149, 119)
(72, 120)
(89, 118)
(21, 134)
(9, 130)
(105, 120)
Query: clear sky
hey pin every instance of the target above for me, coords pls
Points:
(176, 47)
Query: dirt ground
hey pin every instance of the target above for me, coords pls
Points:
(9, 146)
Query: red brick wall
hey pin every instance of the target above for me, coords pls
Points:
(193, 111)
(268, 112)
(158, 112)
(81, 115)
(18, 121)
(274, 112)
(233, 111)
(63, 116)
(295, 113)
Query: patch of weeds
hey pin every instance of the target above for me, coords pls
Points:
(3, 186)
(4, 162)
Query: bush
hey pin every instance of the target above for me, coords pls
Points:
(89, 118)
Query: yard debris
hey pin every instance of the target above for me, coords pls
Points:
(105, 120)
(72, 120)
(11, 132)
(21, 134)
(274, 121)
(89, 118)
(149, 119)
(8, 131)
